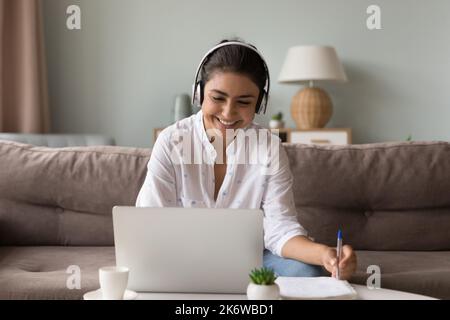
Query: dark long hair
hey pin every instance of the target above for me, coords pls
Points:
(236, 58)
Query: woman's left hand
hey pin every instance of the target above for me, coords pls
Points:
(347, 265)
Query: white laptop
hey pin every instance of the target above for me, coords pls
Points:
(193, 250)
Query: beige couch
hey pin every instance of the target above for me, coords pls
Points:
(391, 200)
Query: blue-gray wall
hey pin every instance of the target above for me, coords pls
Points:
(120, 73)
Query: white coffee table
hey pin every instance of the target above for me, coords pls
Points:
(364, 293)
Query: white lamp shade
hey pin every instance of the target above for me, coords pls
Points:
(312, 63)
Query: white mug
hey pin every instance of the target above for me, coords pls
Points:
(113, 282)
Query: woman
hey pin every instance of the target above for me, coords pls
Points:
(193, 163)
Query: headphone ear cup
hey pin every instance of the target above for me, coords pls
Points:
(201, 89)
(262, 102)
(198, 94)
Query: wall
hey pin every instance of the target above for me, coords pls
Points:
(120, 73)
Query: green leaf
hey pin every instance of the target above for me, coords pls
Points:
(263, 276)
(278, 116)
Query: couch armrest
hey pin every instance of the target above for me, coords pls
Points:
(59, 140)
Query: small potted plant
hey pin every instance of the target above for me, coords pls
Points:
(262, 285)
(277, 121)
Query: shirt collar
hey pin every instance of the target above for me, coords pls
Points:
(200, 127)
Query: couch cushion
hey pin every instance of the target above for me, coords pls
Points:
(426, 273)
(385, 196)
(65, 196)
(41, 272)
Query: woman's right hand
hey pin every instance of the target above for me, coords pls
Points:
(347, 265)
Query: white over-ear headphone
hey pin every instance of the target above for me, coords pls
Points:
(198, 86)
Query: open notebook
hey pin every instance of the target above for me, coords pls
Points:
(315, 288)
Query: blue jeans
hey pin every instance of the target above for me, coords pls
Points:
(291, 268)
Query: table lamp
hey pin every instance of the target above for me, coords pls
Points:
(311, 107)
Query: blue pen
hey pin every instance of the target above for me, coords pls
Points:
(338, 253)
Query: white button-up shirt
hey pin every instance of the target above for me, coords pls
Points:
(186, 179)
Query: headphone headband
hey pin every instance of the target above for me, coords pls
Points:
(260, 108)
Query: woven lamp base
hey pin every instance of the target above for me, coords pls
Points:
(311, 108)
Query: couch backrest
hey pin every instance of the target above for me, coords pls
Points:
(384, 196)
(65, 196)
(55, 140)
(390, 196)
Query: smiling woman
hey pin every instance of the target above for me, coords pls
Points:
(234, 86)
(236, 57)
(230, 102)
(225, 109)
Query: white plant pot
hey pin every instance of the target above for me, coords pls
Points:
(276, 124)
(263, 292)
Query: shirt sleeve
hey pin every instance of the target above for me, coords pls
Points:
(280, 214)
(159, 188)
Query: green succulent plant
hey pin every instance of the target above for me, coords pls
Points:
(278, 116)
(263, 276)
(409, 138)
